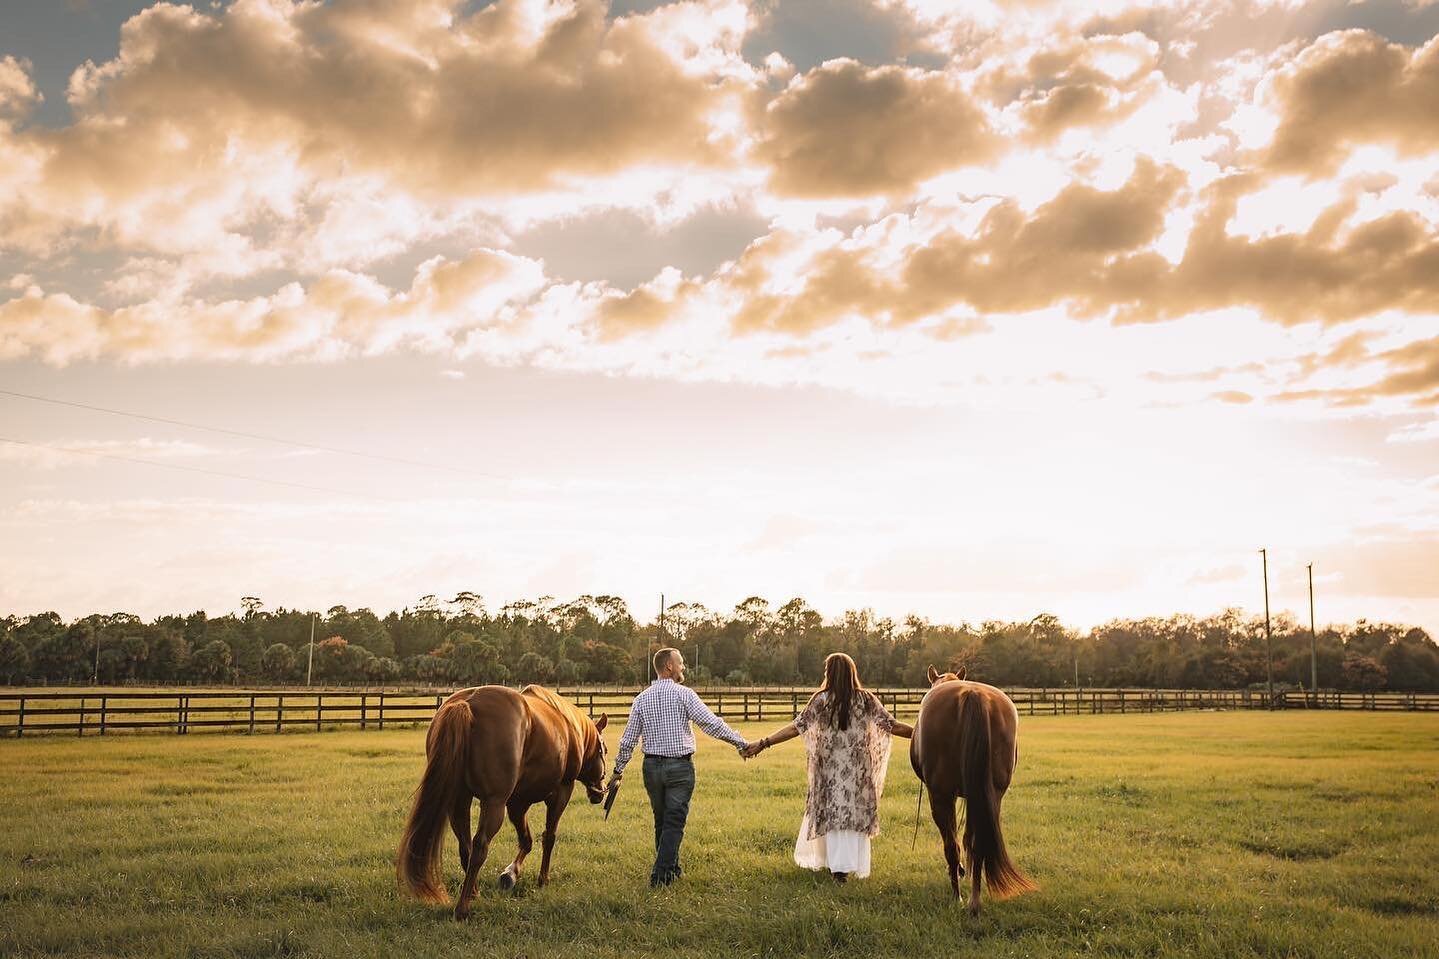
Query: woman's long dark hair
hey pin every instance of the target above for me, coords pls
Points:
(841, 681)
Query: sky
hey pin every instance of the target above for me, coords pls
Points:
(971, 310)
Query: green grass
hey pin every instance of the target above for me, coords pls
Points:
(1205, 834)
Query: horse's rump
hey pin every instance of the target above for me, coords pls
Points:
(447, 747)
(963, 746)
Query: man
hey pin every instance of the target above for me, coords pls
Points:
(661, 715)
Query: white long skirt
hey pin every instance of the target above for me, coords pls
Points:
(838, 851)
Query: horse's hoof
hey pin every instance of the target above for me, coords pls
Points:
(461, 915)
(507, 880)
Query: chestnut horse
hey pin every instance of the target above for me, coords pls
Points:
(965, 745)
(509, 750)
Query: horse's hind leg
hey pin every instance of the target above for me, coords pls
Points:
(460, 824)
(518, 813)
(554, 809)
(974, 876)
(492, 817)
(942, 809)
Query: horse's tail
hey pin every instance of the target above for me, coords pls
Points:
(983, 839)
(448, 748)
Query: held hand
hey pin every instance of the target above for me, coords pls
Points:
(753, 749)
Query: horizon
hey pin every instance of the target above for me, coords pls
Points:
(450, 609)
(957, 311)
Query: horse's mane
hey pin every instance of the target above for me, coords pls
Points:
(584, 731)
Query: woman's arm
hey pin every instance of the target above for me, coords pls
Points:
(902, 730)
(778, 736)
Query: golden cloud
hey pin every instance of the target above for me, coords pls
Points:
(1353, 87)
(250, 127)
(1324, 274)
(1089, 81)
(845, 129)
(493, 101)
(17, 91)
(339, 314)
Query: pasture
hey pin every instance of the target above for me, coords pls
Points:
(1206, 834)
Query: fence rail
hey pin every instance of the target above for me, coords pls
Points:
(181, 712)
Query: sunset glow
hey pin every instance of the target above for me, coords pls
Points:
(965, 310)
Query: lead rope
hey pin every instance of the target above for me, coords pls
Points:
(918, 801)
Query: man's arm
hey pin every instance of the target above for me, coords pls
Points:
(629, 740)
(709, 722)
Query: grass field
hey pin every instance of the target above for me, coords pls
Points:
(1206, 834)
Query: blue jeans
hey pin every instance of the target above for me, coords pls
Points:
(670, 783)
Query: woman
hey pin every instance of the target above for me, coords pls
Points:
(846, 733)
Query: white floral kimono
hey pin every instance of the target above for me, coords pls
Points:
(847, 769)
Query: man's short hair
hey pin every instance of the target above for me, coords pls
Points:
(663, 657)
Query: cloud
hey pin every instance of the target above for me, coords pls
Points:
(646, 307)
(1349, 88)
(925, 267)
(69, 454)
(277, 135)
(512, 96)
(273, 181)
(845, 129)
(1408, 371)
(1389, 566)
(1326, 274)
(1416, 433)
(339, 314)
(1084, 81)
(17, 91)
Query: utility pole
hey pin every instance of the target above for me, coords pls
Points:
(95, 677)
(1313, 643)
(310, 669)
(650, 660)
(1268, 643)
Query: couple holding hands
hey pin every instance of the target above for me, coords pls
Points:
(847, 740)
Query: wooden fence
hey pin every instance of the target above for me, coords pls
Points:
(108, 711)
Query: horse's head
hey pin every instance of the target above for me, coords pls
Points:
(936, 677)
(592, 770)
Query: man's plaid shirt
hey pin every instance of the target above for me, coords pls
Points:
(662, 715)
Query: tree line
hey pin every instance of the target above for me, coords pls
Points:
(596, 639)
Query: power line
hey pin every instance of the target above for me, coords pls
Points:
(256, 436)
(191, 469)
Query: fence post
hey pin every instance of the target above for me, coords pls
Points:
(20, 729)
(319, 699)
(364, 699)
(279, 712)
(252, 714)
(104, 705)
(80, 727)
(382, 709)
